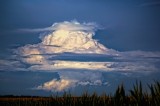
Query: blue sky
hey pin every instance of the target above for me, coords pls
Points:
(122, 43)
(126, 19)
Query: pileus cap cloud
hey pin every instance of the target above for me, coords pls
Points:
(66, 25)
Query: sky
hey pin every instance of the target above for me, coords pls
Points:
(76, 45)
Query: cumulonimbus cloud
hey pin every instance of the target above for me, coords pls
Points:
(72, 37)
(77, 38)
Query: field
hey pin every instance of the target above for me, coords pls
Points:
(136, 97)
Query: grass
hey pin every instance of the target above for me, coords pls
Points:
(136, 97)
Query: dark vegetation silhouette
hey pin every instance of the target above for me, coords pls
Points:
(135, 97)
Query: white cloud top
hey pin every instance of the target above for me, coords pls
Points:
(68, 37)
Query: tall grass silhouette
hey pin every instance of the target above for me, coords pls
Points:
(137, 96)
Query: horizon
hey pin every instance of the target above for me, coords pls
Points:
(76, 46)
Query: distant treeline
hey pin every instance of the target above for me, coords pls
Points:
(136, 97)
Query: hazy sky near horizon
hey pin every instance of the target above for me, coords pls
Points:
(71, 44)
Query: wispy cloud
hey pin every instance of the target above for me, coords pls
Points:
(69, 26)
(11, 65)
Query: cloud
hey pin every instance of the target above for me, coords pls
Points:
(66, 36)
(69, 26)
(134, 66)
(77, 38)
(55, 65)
(138, 54)
(64, 84)
(72, 37)
(66, 41)
(55, 85)
(94, 66)
(11, 65)
(69, 80)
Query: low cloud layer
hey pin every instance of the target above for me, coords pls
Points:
(69, 80)
(57, 85)
(84, 53)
